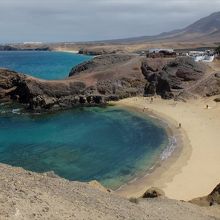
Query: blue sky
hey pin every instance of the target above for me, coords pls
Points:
(83, 20)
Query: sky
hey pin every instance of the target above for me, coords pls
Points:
(87, 20)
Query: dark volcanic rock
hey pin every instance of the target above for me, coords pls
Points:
(110, 77)
(22, 47)
(97, 51)
(116, 76)
(100, 62)
(208, 87)
(217, 99)
(10, 82)
(38, 94)
(186, 69)
(176, 74)
(153, 193)
(7, 48)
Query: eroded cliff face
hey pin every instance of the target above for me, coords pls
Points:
(39, 94)
(170, 78)
(110, 78)
(95, 83)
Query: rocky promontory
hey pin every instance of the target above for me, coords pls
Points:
(96, 51)
(24, 47)
(109, 78)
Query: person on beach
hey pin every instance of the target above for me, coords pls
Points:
(180, 125)
(151, 100)
(207, 106)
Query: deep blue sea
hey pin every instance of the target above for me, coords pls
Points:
(111, 145)
(41, 64)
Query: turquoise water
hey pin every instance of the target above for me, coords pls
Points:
(109, 144)
(41, 64)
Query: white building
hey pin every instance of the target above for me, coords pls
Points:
(35, 43)
(203, 56)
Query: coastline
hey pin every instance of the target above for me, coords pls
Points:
(67, 51)
(180, 175)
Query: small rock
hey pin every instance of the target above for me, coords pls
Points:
(217, 99)
(153, 193)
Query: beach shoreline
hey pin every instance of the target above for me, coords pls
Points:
(67, 51)
(180, 175)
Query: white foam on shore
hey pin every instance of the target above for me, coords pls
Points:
(16, 111)
(169, 149)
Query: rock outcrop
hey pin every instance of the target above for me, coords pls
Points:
(100, 63)
(24, 47)
(7, 48)
(111, 77)
(209, 86)
(96, 51)
(39, 94)
(153, 193)
(93, 83)
(165, 79)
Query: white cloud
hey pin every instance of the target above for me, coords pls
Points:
(77, 20)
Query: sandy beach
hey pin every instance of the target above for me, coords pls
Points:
(193, 169)
(66, 50)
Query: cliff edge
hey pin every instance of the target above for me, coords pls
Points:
(28, 195)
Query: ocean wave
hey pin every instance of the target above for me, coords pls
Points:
(169, 149)
(16, 111)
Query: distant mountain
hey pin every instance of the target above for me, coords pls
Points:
(207, 25)
(207, 29)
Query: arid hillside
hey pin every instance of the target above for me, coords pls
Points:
(27, 195)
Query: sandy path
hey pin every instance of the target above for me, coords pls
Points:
(196, 170)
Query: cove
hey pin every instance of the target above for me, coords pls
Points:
(111, 145)
(41, 64)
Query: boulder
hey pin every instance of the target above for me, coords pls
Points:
(217, 99)
(153, 193)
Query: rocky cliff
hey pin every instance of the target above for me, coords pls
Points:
(112, 77)
(24, 47)
(105, 78)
